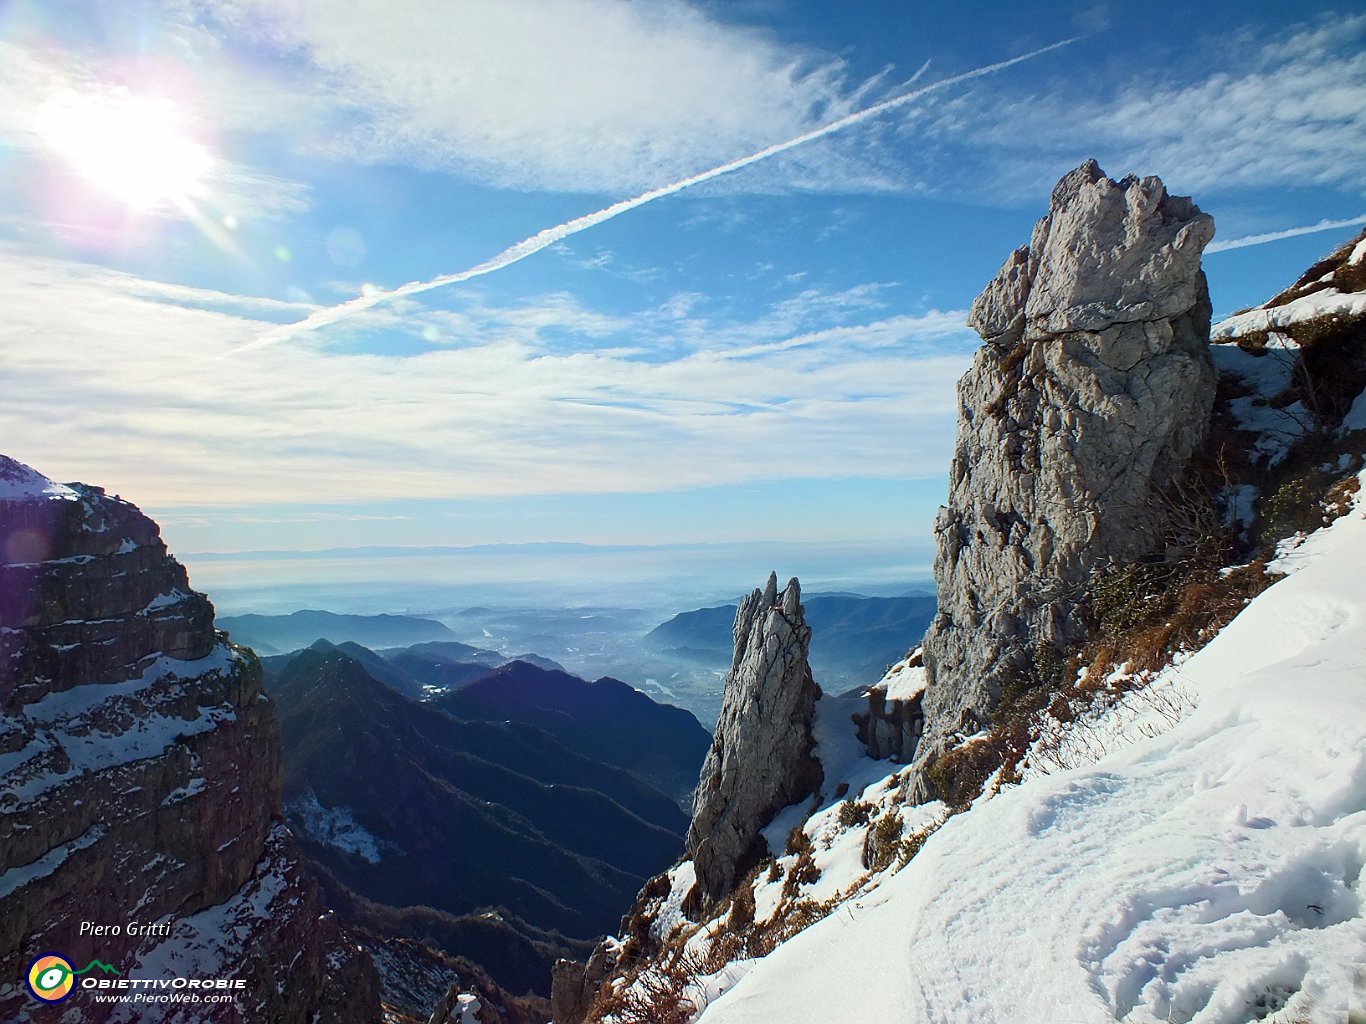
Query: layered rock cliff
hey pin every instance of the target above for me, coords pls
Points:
(140, 780)
(761, 757)
(1084, 406)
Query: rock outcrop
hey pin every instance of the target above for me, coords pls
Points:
(140, 779)
(761, 758)
(1091, 393)
(574, 984)
(889, 729)
(459, 1007)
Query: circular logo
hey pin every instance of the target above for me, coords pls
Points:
(50, 978)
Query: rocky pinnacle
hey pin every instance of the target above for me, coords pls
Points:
(1092, 391)
(761, 758)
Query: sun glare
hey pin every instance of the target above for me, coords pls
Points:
(134, 149)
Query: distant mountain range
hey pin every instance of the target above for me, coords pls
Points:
(508, 821)
(854, 638)
(418, 671)
(681, 662)
(276, 634)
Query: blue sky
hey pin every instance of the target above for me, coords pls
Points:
(766, 356)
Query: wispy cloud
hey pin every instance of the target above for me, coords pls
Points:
(551, 236)
(582, 95)
(1241, 111)
(1276, 236)
(646, 401)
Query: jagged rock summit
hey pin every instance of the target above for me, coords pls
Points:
(1085, 404)
(140, 780)
(1108, 252)
(761, 758)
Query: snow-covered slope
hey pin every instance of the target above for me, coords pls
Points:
(1210, 874)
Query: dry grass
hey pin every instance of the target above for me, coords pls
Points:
(959, 775)
(1181, 616)
(882, 844)
(656, 994)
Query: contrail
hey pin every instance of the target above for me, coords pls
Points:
(548, 237)
(1276, 236)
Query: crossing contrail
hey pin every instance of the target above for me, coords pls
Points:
(1276, 236)
(548, 237)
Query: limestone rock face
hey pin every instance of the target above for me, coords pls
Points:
(574, 985)
(1107, 253)
(890, 729)
(1091, 393)
(140, 777)
(761, 757)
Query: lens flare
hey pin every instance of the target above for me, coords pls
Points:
(134, 149)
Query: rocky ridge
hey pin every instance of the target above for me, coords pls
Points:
(481, 839)
(1089, 400)
(1296, 364)
(1091, 393)
(140, 777)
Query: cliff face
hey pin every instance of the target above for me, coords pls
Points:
(1091, 393)
(140, 778)
(761, 757)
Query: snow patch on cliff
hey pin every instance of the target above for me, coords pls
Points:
(334, 826)
(1326, 303)
(23, 483)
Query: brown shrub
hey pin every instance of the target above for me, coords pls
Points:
(882, 843)
(853, 813)
(959, 775)
(654, 994)
(803, 872)
(1183, 617)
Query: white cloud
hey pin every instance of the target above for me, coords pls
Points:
(113, 380)
(595, 95)
(1237, 112)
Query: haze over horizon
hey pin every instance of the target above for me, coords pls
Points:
(765, 358)
(654, 581)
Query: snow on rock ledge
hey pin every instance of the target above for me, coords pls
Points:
(21, 483)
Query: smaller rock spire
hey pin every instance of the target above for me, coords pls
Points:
(761, 759)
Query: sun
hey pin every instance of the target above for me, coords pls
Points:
(134, 149)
